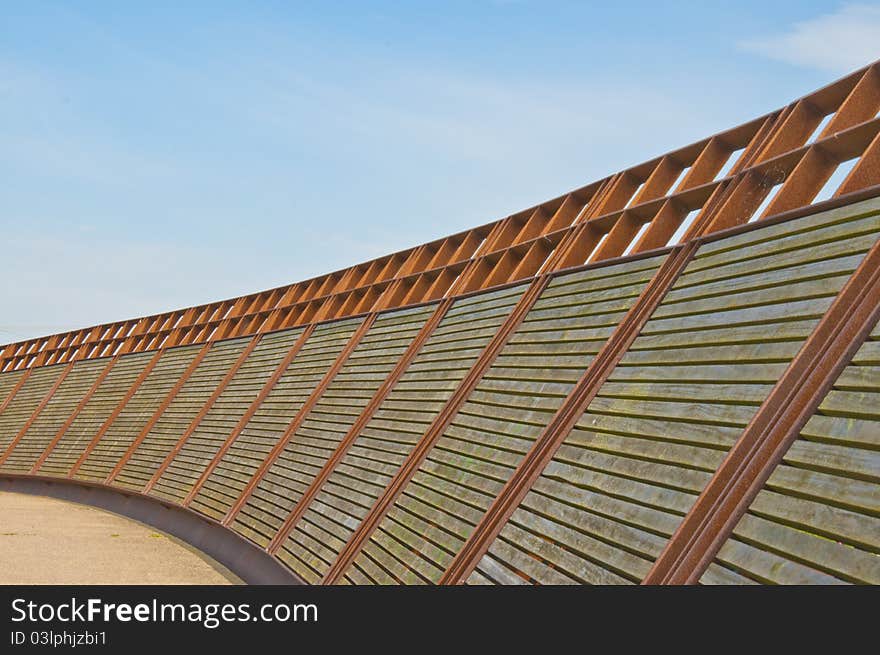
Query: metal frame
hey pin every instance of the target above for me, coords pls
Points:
(27, 426)
(365, 416)
(596, 222)
(631, 214)
(435, 431)
(300, 417)
(15, 389)
(169, 397)
(566, 416)
(116, 411)
(777, 424)
(209, 403)
(70, 419)
(249, 413)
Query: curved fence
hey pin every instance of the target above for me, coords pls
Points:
(667, 376)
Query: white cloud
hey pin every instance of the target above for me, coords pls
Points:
(838, 42)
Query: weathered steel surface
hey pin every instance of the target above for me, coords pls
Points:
(76, 443)
(560, 424)
(599, 221)
(258, 432)
(658, 427)
(418, 418)
(442, 420)
(382, 443)
(795, 397)
(109, 447)
(376, 371)
(278, 482)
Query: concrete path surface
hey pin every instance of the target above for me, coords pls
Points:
(49, 541)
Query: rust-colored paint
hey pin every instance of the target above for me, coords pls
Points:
(70, 419)
(301, 415)
(776, 425)
(563, 231)
(209, 403)
(116, 411)
(14, 391)
(865, 173)
(169, 397)
(359, 424)
(436, 429)
(252, 409)
(45, 401)
(566, 416)
(595, 223)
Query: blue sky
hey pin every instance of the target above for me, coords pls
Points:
(169, 154)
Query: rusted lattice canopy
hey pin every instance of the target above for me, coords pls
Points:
(671, 375)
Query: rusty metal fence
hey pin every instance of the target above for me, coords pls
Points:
(667, 376)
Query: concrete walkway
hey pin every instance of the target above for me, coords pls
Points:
(49, 541)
